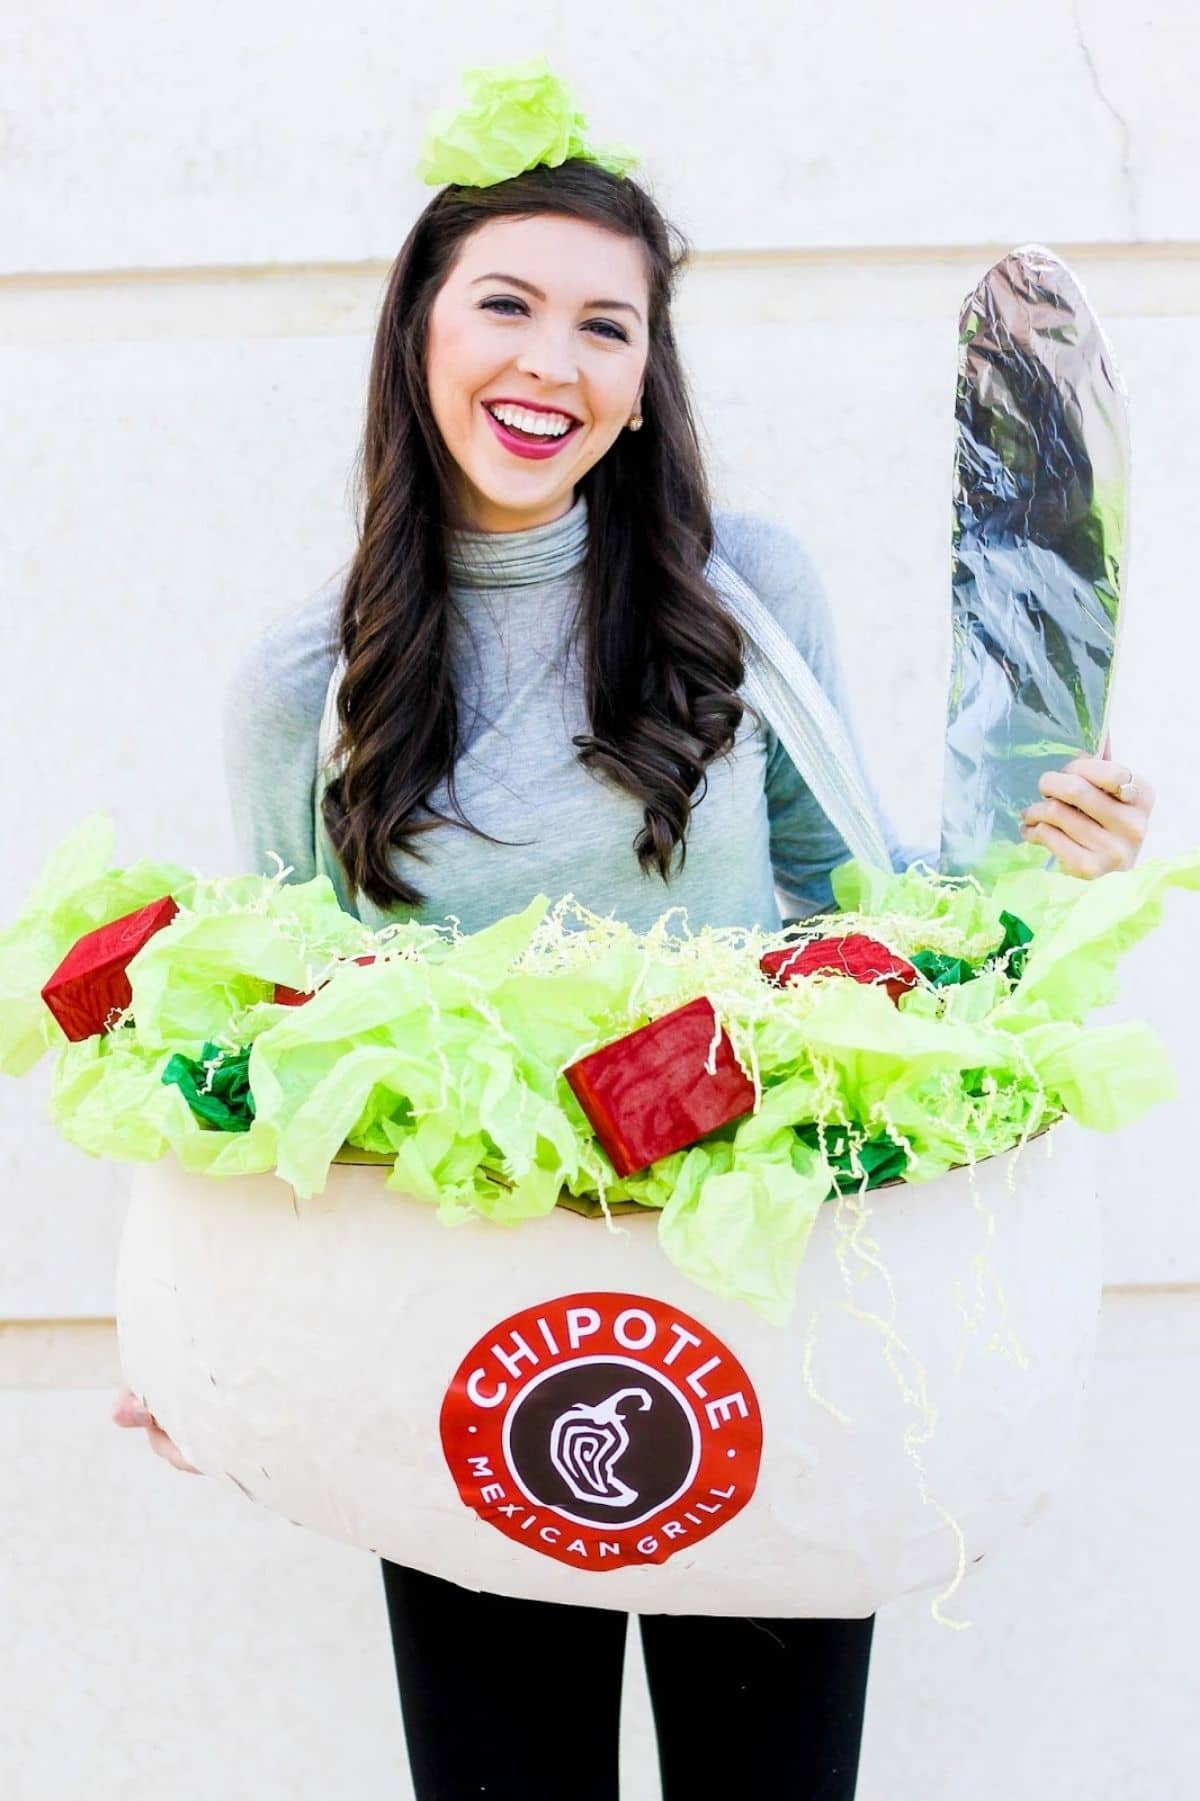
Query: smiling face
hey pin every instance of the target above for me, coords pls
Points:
(575, 350)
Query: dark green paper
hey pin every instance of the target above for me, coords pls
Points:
(882, 1158)
(226, 1102)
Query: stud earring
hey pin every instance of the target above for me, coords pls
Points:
(635, 424)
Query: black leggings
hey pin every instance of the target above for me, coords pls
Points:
(521, 1700)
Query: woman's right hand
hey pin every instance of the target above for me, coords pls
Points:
(129, 1411)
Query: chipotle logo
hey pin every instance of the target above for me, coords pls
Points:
(603, 1430)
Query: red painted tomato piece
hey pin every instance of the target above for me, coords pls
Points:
(861, 958)
(90, 986)
(296, 997)
(650, 1093)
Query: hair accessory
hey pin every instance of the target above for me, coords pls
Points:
(519, 115)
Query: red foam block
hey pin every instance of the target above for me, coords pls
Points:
(861, 958)
(650, 1093)
(296, 997)
(90, 985)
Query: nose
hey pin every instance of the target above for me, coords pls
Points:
(549, 355)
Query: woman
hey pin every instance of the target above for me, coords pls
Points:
(541, 694)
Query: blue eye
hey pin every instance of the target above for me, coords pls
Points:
(608, 329)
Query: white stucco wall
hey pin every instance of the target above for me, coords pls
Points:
(197, 211)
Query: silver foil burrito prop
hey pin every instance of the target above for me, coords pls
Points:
(1038, 545)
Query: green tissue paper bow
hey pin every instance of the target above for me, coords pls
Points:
(520, 115)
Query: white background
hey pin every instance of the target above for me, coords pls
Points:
(198, 207)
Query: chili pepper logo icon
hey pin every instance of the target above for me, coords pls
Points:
(587, 1443)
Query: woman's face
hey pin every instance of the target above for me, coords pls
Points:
(576, 346)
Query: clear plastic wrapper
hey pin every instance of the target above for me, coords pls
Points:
(1039, 532)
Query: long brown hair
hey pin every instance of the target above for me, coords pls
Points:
(662, 661)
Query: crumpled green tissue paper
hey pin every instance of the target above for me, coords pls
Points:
(446, 1055)
(518, 115)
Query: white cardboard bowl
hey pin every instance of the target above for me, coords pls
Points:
(303, 1350)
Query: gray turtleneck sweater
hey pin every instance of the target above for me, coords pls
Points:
(758, 846)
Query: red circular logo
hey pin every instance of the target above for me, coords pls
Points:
(603, 1430)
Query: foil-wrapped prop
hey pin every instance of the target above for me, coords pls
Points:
(1038, 545)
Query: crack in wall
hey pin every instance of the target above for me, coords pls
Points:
(1128, 178)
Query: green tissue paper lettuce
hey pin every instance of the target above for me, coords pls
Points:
(76, 891)
(517, 116)
(446, 1055)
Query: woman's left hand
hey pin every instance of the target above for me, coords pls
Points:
(1081, 820)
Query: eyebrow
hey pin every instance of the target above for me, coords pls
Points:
(620, 305)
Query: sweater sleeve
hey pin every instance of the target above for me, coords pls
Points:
(805, 846)
(270, 724)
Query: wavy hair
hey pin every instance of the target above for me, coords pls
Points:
(662, 661)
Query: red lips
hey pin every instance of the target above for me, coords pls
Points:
(532, 406)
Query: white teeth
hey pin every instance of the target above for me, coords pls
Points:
(545, 425)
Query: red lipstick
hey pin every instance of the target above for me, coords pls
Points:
(527, 447)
